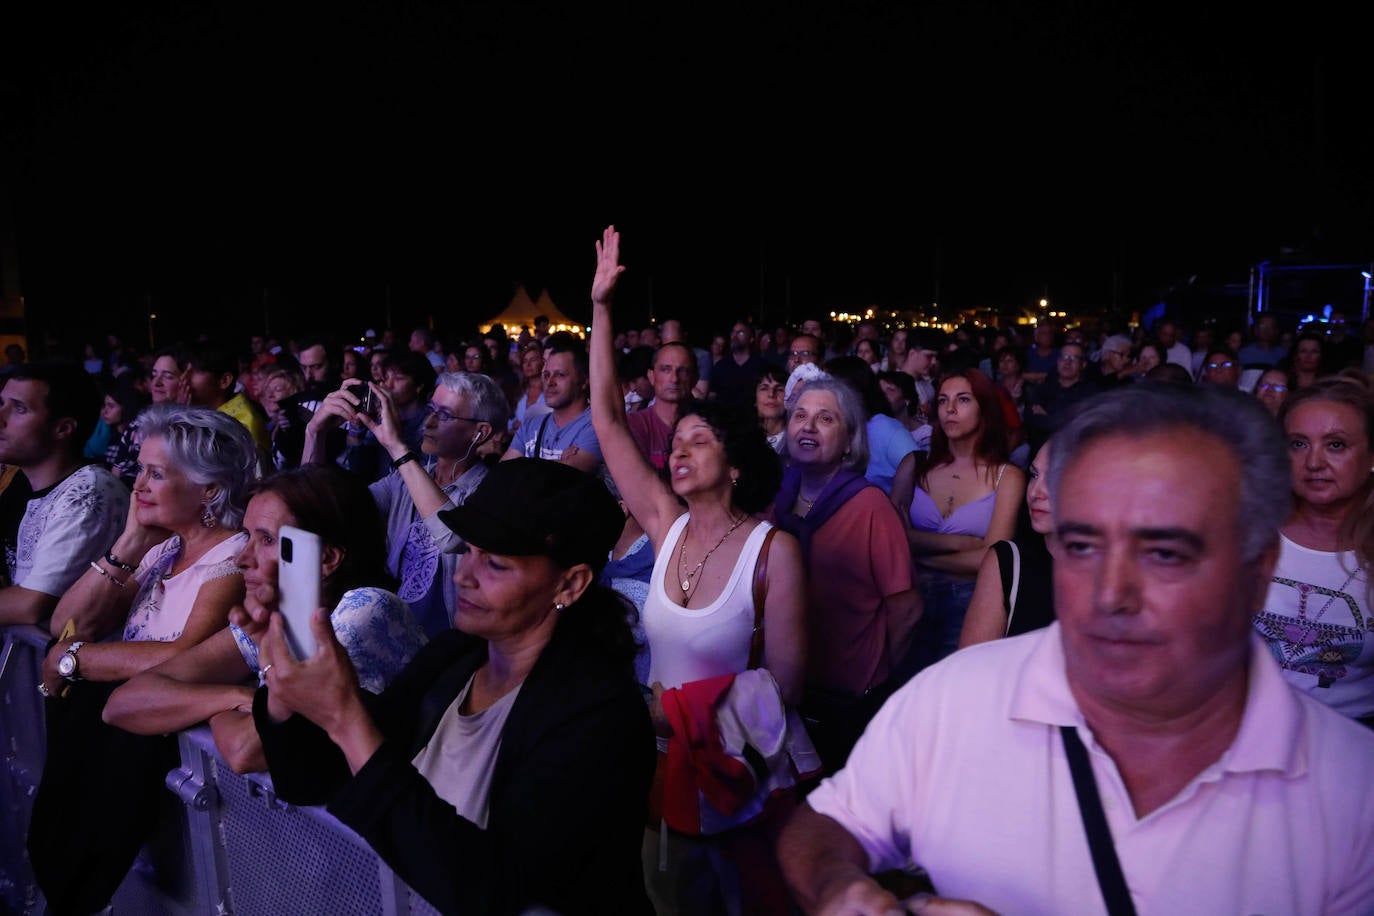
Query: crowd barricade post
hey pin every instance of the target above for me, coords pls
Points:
(226, 845)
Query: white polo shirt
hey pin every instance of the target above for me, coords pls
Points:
(963, 772)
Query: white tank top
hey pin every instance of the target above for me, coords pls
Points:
(693, 644)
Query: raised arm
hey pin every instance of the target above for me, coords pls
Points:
(650, 501)
(338, 407)
(427, 495)
(97, 603)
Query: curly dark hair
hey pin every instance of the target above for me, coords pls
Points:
(746, 450)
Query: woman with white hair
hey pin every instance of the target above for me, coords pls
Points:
(170, 579)
(862, 604)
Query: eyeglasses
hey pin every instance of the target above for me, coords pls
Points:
(1226, 365)
(443, 416)
(800, 353)
(1277, 389)
(1070, 358)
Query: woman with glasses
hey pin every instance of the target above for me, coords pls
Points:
(1272, 389)
(465, 411)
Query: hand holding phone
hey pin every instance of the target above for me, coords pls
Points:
(367, 401)
(298, 587)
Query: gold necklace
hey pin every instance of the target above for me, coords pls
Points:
(687, 584)
(811, 503)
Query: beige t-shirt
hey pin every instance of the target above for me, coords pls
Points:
(461, 754)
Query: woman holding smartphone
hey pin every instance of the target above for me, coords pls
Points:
(507, 768)
(216, 680)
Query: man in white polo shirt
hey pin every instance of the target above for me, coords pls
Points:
(1221, 789)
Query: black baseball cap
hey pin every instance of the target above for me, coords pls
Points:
(530, 506)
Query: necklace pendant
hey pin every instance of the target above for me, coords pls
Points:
(686, 585)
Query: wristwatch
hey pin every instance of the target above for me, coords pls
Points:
(67, 664)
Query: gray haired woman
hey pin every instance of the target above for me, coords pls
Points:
(169, 580)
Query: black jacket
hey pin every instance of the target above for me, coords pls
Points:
(569, 791)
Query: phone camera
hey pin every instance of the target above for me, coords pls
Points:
(286, 549)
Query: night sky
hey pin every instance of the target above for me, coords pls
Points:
(817, 156)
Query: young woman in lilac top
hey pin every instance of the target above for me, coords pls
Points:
(964, 501)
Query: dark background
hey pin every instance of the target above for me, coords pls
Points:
(766, 160)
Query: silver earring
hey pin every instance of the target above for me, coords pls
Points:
(206, 518)
(560, 606)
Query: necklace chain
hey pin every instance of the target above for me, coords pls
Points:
(688, 585)
(811, 503)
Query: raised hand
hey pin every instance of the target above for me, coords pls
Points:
(251, 617)
(608, 267)
(323, 688)
(387, 426)
(337, 407)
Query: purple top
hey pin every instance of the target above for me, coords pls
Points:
(972, 518)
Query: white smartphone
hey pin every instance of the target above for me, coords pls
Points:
(298, 586)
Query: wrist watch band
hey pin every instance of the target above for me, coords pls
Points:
(408, 456)
(67, 665)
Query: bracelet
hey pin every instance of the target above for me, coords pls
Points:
(116, 562)
(408, 456)
(100, 569)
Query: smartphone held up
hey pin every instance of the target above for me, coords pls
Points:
(298, 587)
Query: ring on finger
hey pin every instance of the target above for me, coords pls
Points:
(43, 689)
(266, 668)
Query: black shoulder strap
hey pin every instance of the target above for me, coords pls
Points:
(1109, 877)
(1004, 566)
(539, 439)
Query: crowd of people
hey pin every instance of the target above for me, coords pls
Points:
(851, 619)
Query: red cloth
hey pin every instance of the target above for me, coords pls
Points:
(697, 761)
(1009, 411)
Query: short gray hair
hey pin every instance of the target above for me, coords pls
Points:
(855, 420)
(1119, 343)
(1238, 421)
(208, 447)
(487, 400)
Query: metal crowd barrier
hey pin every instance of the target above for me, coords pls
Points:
(226, 845)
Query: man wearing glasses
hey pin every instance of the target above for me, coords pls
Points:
(1051, 401)
(804, 349)
(1114, 362)
(1221, 367)
(464, 412)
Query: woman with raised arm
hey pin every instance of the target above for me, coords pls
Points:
(700, 614)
